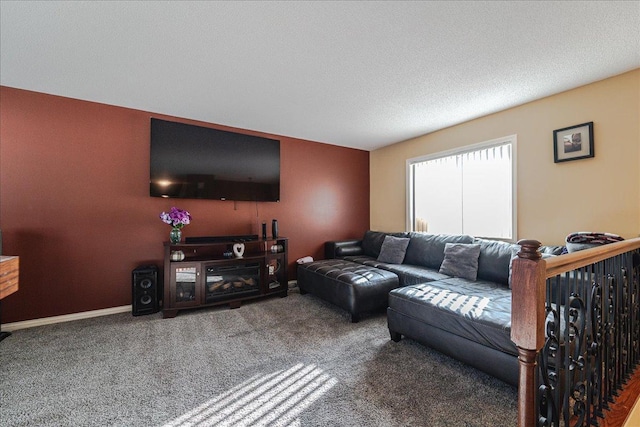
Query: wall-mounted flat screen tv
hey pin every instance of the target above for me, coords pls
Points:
(196, 162)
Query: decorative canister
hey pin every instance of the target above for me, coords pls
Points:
(177, 255)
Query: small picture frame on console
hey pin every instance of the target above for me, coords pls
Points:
(573, 143)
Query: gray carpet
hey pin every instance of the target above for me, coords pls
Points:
(294, 361)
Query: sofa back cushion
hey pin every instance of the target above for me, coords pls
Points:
(551, 250)
(427, 250)
(372, 241)
(494, 260)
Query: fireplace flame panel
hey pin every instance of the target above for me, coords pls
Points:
(233, 280)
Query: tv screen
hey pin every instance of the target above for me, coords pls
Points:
(196, 162)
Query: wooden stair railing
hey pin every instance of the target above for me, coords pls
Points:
(529, 322)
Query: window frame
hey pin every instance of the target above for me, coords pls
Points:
(512, 139)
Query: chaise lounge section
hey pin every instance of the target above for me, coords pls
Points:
(469, 321)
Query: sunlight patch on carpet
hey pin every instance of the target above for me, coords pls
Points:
(275, 399)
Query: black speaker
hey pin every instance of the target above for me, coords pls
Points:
(146, 295)
(274, 228)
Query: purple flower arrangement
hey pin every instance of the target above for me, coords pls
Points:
(176, 218)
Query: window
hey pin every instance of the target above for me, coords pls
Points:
(466, 191)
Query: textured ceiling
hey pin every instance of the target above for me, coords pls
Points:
(357, 74)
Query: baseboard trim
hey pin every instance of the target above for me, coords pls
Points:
(14, 326)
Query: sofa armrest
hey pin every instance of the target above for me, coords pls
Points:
(342, 248)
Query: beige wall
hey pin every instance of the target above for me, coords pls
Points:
(553, 199)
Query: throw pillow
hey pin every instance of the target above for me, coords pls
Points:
(393, 250)
(461, 260)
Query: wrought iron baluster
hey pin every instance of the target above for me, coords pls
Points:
(634, 263)
(624, 323)
(548, 410)
(609, 348)
(576, 373)
(594, 350)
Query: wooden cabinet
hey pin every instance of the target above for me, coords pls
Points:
(184, 285)
(9, 278)
(208, 274)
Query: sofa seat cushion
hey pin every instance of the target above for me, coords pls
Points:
(407, 274)
(479, 311)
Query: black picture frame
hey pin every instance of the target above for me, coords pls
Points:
(573, 143)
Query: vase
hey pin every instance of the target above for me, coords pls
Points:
(175, 236)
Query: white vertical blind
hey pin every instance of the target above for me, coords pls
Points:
(469, 192)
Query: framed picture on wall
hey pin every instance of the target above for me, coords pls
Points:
(573, 143)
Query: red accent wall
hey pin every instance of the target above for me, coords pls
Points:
(75, 204)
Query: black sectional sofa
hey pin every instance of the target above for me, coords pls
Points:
(452, 292)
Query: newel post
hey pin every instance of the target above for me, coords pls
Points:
(527, 324)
